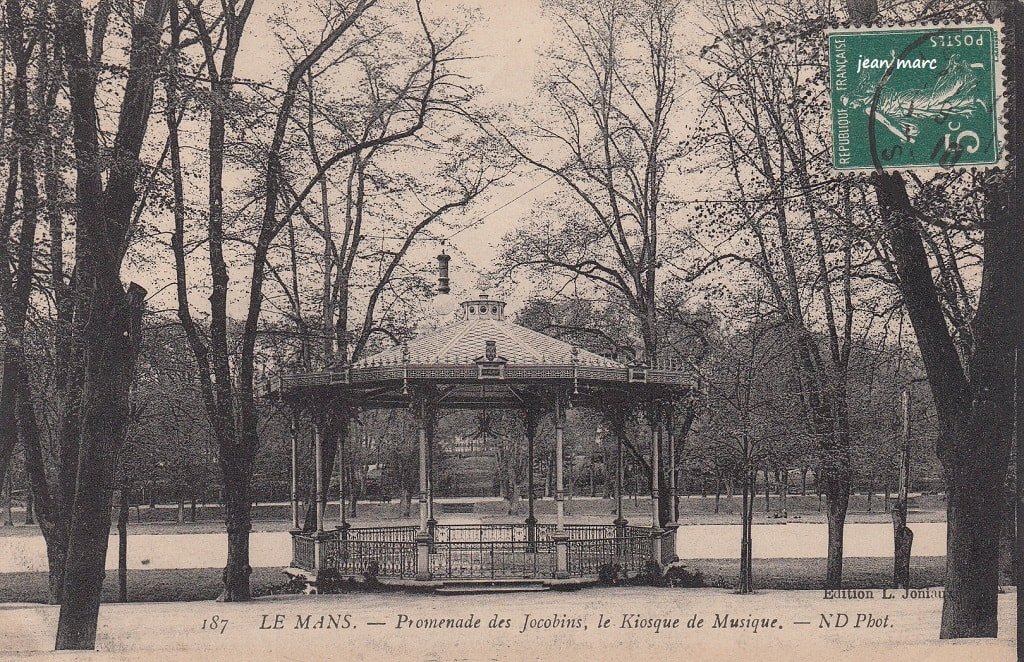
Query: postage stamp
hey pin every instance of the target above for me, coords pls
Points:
(916, 98)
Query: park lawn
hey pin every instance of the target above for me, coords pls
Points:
(693, 510)
(204, 583)
(809, 574)
(146, 585)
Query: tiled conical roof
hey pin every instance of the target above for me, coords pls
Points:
(482, 321)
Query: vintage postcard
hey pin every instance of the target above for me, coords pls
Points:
(511, 329)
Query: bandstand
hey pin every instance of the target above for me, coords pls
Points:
(484, 361)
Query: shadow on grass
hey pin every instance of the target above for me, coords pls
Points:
(205, 583)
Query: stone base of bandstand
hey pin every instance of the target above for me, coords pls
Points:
(432, 584)
(423, 544)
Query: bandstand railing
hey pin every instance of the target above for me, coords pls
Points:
(668, 546)
(478, 550)
(381, 533)
(493, 559)
(586, 557)
(361, 557)
(303, 552)
(467, 533)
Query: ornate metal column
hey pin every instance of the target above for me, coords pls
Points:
(423, 538)
(344, 431)
(342, 438)
(531, 520)
(428, 427)
(320, 497)
(421, 432)
(318, 464)
(616, 418)
(672, 526)
(560, 537)
(656, 531)
(674, 510)
(294, 488)
(559, 473)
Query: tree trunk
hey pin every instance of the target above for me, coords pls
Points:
(837, 505)
(767, 493)
(784, 494)
(406, 502)
(903, 539)
(747, 542)
(973, 404)
(353, 487)
(238, 517)
(122, 546)
(664, 502)
(29, 516)
(803, 481)
(972, 560)
(50, 511)
(571, 483)
(548, 478)
(835, 478)
(111, 350)
(8, 496)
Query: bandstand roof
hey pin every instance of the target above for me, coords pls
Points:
(482, 360)
(483, 320)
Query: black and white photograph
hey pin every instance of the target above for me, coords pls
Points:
(570, 330)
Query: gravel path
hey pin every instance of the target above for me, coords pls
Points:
(175, 630)
(706, 541)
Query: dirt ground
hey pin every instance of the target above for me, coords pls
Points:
(592, 624)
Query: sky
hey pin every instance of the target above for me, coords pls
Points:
(506, 40)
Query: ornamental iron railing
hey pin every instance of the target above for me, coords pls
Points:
(493, 560)
(369, 558)
(479, 550)
(588, 557)
(668, 547)
(380, 533)
(303, 551)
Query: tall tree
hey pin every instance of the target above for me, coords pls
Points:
(611, 97)
(800, 240)
(972, 387)
(228, 386)
(16, 282)
(107, 316)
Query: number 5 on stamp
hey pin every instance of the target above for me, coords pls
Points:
(916, 98)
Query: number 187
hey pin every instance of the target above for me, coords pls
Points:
(215, 623)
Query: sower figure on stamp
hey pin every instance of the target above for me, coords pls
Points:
(951, 95)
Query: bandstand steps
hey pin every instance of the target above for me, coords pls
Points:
(465, 587)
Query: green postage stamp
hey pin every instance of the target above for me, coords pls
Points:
(916, 98)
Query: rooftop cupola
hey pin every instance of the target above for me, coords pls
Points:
(483, 308)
